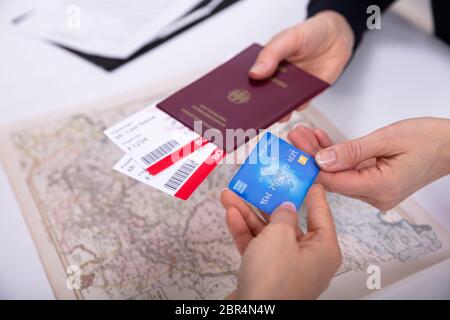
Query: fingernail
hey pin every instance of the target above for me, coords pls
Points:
(288, 205)
(258, 67)
(326, 158)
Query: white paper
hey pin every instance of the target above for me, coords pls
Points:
(150, 135)
(193, 16)
(109, 28)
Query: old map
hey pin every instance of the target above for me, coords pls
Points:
(101, 235)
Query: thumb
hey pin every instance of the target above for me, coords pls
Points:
(286, 214)
(318, 212)
(349, 154)
(279, 48)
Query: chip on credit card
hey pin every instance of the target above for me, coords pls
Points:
(274, 172)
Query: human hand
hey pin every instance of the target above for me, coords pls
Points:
(321, 45)
(279, 261)
(384, 167)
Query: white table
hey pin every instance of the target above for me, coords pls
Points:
(399, 72)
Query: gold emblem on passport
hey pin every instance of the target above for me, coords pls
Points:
(302, 160)
(239, 96)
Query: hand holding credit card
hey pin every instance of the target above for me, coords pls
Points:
(274, 172)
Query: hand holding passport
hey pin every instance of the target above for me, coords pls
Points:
(226, 99)
(175, 148)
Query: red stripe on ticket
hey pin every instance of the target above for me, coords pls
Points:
(174, 157)
(200, 174)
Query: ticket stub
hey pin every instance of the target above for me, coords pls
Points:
(182, 178)
(274, 172)
(153, 139)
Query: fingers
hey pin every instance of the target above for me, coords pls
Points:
(230, 199)
(354, 183)
(285, 214)
(304, 106)
(238, 229)
(309, 140)
(279, 48)
(322, 136)
(366, 164)
(304, 139)
(349, 154)
(318, 212)
(243, 224)
(321, 225)
(286, 118)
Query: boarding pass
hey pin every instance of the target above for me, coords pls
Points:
(182, 178)
(154, 140)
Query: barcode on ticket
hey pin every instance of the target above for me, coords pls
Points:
(160, 152)
(181, 175)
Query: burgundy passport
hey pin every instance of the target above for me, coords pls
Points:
(228, 103)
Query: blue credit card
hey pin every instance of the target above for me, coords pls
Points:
(274, 172)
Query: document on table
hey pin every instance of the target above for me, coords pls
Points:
(123, 233)
(190, 18)
(109, 28)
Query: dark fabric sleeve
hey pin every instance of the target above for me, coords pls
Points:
(441, 11)
(355, 11)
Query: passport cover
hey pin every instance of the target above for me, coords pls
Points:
(227, 99)
(274, 172)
